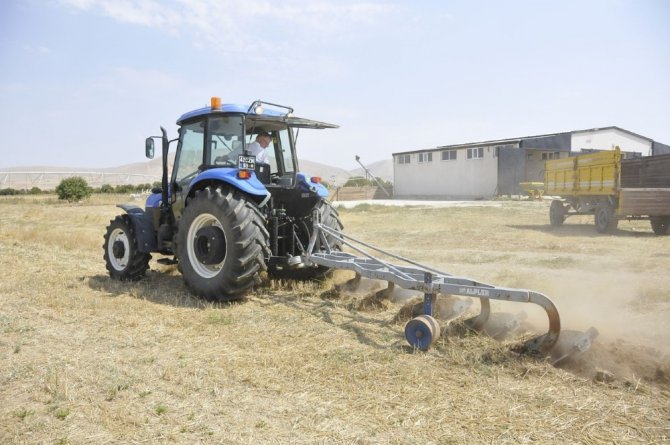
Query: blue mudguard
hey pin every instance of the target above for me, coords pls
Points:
(154, 201)
(144, 230)
(251, 186)
(305, 183)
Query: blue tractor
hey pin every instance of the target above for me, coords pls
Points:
(222, 214)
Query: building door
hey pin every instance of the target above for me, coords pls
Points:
(511, 170)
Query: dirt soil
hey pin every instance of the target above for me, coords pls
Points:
(86, 359)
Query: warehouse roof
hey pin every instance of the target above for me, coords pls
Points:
(555, 141)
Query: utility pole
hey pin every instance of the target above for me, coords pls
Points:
(367, 173)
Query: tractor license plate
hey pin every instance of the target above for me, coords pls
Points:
(246, 162)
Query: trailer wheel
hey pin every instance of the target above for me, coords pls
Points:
(122, 258)
(660, 224)
(605, 218)
(556, 213)
(221, 244)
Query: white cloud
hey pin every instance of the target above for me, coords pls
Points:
(242, 26)
(37, 49)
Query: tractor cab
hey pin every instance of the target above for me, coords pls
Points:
(215, 144)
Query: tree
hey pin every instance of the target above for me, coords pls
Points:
(106, 188)
(73, 189)
(359, 181)
(124, 188)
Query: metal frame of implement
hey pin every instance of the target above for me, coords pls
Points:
(422, 331)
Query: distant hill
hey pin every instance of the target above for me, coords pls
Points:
(48, 177)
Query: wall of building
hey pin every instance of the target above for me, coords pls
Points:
(535, 159)
(607, 139)
(460, 178)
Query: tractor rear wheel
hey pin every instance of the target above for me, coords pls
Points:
(605, 218)
(222, 244)
(304, 228)
(122, 258)
(556, 213)
(660, 224)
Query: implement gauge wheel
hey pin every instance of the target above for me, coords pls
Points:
(660, 224)
(556, 213)
(122, 258)
(422, 331)
(605, 218)
(221, 244)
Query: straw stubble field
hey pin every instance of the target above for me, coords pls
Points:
(90, 360)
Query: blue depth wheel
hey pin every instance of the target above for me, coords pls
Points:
(422, 331)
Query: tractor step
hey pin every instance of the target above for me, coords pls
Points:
(167, 261)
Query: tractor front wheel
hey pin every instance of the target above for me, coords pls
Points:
(122, 258)
(221, 244)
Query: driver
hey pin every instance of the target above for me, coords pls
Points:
(257, 148)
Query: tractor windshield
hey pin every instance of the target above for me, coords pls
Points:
(219, 145)
(225, 139)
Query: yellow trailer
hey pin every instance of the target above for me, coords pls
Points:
(611, 188)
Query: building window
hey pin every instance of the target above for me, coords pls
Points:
(547, 155)
(476, 153)
(403, 159)
(449, 155)
(425, 157)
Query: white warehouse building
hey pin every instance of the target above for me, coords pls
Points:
(486, 169)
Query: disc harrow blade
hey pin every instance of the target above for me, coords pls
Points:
(572, 344)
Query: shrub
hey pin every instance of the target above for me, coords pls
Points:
(106, 188)
(73, 189)
(125, 188)
(8, 192)
(35, 191)
(358, 181)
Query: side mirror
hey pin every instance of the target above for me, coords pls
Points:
(149, 148)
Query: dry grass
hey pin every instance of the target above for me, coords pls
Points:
(90, 360)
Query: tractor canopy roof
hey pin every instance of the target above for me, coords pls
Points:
(258, 113)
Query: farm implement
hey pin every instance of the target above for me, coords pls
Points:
(422, 331)
(236, 205)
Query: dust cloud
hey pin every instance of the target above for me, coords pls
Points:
(630, 319)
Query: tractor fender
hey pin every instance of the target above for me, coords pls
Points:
(251, 186)
(306, 184)
(144, 229)
(154, 200)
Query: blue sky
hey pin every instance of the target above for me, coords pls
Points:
(83, 82)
